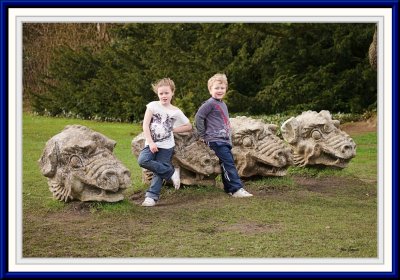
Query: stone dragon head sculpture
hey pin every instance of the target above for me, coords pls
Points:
(80, 165)
(373, 50)
(197, 162)
(316, 139)
(257, 150)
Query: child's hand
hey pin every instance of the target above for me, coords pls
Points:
(153, 148)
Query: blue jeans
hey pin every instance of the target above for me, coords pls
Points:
(230, 176)
(160, 164)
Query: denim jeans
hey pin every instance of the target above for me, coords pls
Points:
(230, 176)
(160, 164)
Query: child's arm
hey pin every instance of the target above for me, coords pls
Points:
(146, 129)
(182, 128)
(200, 120)
(200, 126)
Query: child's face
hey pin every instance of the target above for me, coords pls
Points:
(218, 90)
(165, 95)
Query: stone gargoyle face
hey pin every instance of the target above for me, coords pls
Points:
(80, 165)
(257, 150)
(316, 139)
(197, 162)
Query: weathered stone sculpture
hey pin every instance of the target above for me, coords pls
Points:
(257, 150)
(373, 50)
(316, 139)
(197, 162)
(80, 165)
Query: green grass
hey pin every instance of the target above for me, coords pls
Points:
(309, 212)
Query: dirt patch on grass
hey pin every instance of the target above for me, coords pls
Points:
(177, 215)
(177, 199)
(248, 227)
(329, 185)
(324, 185)
(78, 208)
(355, 128)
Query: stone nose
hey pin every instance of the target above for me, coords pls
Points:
(348, 150)
(124, 178)
(280, 156)
(108, 180)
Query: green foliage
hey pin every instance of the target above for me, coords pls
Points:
(272, 68)
(187, 103)
(237, 102)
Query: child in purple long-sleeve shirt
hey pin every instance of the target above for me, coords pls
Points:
(213, 126)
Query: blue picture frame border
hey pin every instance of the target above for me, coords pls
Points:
(4, 155)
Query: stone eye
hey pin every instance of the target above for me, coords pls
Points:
(89, 149)
(247, 142)
(75, 162)
(316, 135)
(328, 128)
(206, 162)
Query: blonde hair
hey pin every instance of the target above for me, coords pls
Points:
(163, 82)
(221, 78)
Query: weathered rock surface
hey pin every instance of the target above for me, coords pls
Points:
(257, 150)
(316, 139)
(80, 165)
(197, 162)
(373, 50)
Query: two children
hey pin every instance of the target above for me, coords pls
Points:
(162, 119)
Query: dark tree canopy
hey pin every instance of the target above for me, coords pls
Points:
(272, 68)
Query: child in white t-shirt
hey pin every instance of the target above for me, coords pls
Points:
(160, 121)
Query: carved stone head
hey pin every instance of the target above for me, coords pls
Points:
(257, 150)
(316, 139)
(80, 165)
(197, 162)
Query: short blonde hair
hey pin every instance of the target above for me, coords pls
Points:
(221, 78)
(163, 82)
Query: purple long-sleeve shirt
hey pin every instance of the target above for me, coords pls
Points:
(212, 121)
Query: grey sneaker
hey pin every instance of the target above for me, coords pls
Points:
(148, 201)
(241, 193)
(176, 178)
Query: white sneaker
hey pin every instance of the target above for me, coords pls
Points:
(241, 193)
(148, 201)
(176, 178)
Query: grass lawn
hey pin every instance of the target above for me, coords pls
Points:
(309, 213)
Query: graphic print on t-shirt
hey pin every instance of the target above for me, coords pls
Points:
(161, 130)
(225, 132)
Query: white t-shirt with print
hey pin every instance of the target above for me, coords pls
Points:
(162, 123)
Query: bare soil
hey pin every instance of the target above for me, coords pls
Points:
(355, 128)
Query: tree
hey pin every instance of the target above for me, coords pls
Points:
(272, 68)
